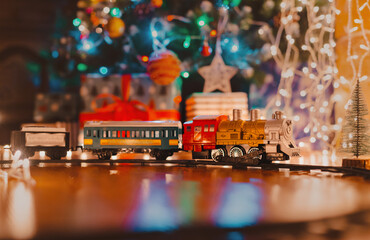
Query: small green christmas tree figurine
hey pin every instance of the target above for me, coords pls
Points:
(355, 131)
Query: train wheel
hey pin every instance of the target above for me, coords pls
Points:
(217, 153)
(162, 155)
(237, 151)
(254, 149)
(55, 155)
(104, 155)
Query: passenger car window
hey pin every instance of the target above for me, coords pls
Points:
(88, 133)
(212, 128)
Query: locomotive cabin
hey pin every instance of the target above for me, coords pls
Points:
(200, 133)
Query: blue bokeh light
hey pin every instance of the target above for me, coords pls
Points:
(239, 206)
(55, 54)
(103, 70)
(155, 212)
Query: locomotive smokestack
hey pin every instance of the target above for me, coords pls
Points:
(237, 114)
(278, 115)
(255, 114)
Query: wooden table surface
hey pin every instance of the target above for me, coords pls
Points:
(98, 200)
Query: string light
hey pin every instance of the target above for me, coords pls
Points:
(76, 22)
(319, 73)
(362, 46)
(99, 30)
(154, 34)
(201, 23)
(187, 41)
(273, 50)
(234, 48)
(185, 74)
(306, 130)
(87, 45)
(145, 59)
(115, 12)
(81, 67)
(103, 70)
(106, 10)
(81, 28)
(55, 54)
(283, 92)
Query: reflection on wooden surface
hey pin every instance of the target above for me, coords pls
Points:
(17, 212)
(323, 158)
(162, 198)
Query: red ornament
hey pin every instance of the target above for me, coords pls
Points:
(206, 50)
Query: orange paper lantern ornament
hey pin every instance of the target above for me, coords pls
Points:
(157, 3)
(115, 27)
(164, 67)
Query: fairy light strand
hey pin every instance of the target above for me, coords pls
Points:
(19, 170)
(317, 77)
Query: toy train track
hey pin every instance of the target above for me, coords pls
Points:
(235, 163)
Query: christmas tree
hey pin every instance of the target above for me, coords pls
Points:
(120, 36)
(355, 130)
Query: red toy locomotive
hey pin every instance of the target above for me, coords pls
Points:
(216, 137)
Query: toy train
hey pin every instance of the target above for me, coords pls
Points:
(54, 141)
(207, 137)
(105, 139)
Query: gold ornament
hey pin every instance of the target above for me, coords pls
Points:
(164, 67)
(157, 3)
(115, 27)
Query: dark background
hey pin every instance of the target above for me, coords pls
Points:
(27, 29)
